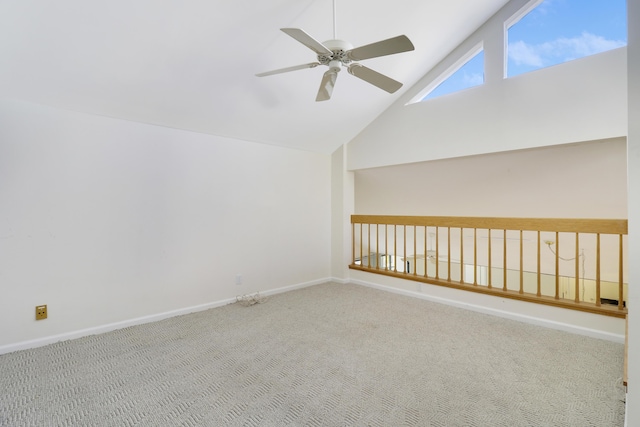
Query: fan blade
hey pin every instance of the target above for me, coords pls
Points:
(287, 69)
(327, 84)
(385, 47)
(375, 78)
(307, 40)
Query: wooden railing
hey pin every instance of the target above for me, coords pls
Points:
(572, 263)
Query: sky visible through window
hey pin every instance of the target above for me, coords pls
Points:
(469, 75)
(558, 31)
(554, 32)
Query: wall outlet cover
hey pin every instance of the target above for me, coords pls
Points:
(41, 312)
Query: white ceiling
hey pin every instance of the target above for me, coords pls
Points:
(191, 64)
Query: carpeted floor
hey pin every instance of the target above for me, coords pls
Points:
(327, 355)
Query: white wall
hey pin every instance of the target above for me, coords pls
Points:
(633, 398)
(342, 194)
(106, 220)
(577, 101)
(583, 180)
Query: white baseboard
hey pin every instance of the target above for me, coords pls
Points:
(296, 286)
(566, 327)
(39, 342)
(626, 412)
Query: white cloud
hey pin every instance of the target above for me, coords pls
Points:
(524, 54)
(544, 7)
(586, 44)
(560, 50)
(473, 79)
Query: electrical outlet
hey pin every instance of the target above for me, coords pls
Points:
(238, 279)
(41, 312)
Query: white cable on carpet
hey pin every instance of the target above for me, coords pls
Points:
(249, 300)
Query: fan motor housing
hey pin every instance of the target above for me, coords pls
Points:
(339, 49)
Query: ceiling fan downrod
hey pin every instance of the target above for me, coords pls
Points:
(334, 20)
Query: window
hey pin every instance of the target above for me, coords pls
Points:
(470, 73)
(558, 31)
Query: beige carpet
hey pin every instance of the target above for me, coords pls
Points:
(328, 355)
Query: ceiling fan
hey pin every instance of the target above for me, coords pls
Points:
(336, 53)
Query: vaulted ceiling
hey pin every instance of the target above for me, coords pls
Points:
(191, 64)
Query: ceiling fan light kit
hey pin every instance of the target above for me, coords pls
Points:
(337, 53)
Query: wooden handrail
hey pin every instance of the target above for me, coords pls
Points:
(571, 225)
(405, 265)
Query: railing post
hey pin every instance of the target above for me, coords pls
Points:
(461, 255)
(620, 276)
(504, 260)
(404, 253)
(437, 253)
(377, 246)
(415, 251)
(426, 258)
(353, 243)
(475, 257)
(557, 267)
(577, 286)
(489, 260)
(361, 251)
(521, 266)
(449, 253)
(369, 245)
(598, 270)
(538, 284)
(395, 248)
(386, 248)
